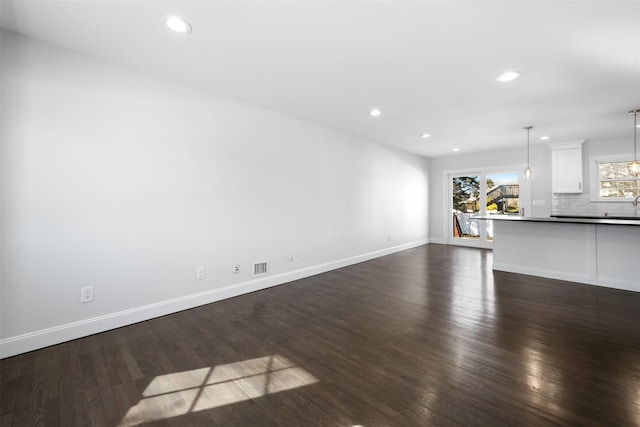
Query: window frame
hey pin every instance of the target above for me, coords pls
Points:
(595, 180)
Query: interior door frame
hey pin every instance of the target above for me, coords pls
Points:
(524, 196)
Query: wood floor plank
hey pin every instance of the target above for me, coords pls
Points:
(9, 381)
(429, 336)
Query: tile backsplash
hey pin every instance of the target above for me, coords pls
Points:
(581, 204)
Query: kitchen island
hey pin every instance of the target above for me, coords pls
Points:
(597, 251)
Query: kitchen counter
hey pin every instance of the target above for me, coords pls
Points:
(618, 220)
(595, 251)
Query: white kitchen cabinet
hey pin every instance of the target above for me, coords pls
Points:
(593, 253)
(566, 167)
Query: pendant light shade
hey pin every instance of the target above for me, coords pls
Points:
(634, 166)
(528, 172)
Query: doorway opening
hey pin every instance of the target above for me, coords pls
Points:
(472, 195)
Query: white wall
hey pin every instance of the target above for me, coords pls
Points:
(540, 184)
(128, 182)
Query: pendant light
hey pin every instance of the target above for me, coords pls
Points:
(634, 166)
(528, 172)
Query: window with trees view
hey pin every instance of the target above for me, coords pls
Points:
(615, 182)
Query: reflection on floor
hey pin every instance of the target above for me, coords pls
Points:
(180, 393)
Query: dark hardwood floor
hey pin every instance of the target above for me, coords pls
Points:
(426, 337)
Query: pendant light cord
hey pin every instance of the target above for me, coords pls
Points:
(528, 129)
(635, 131)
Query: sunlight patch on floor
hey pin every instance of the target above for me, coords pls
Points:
(180, 393)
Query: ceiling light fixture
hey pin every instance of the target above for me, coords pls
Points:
(375, 113)
(508, 76)
(456, 149)
(634, 166)
(178, 25)
(425, 136)
(528, 172)
(544, 138)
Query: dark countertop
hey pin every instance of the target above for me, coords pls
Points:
(563, 219)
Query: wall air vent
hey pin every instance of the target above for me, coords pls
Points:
(261, 268)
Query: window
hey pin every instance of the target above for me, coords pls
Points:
(613, 181)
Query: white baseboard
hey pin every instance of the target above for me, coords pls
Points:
(577, 278)
(617, 284)
(437, 240)
(43, 338)
(541, 273)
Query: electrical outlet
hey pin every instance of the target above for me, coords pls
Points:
(290, 258)
(236, 268)
(303, 255)
(86, 294)
(201, 274)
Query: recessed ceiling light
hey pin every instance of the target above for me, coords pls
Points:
(178, 25)
(544, 138)
(425, 135)
(508, 76)
(456, 149)
(375, 112)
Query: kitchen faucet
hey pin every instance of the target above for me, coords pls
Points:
(635, 201)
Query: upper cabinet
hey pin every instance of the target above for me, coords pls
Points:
(566, 167)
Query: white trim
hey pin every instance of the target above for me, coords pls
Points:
(587, 279)
(511, 268)
(616, 284)
(566, 145)
(58, 334)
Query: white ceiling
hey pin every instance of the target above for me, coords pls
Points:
(430, 66)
